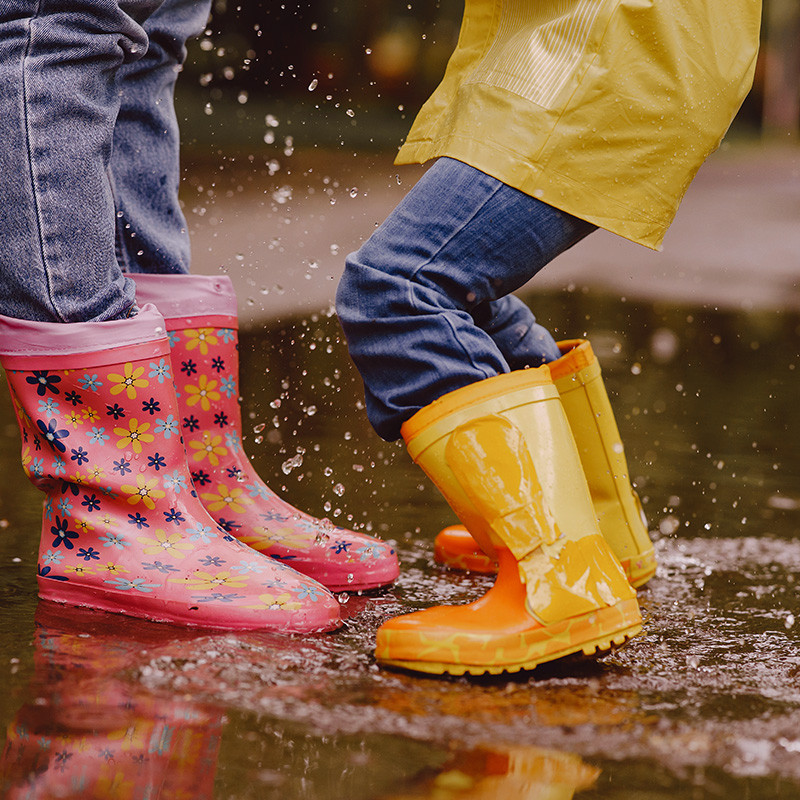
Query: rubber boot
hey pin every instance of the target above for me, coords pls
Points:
(200, 313)
(502, 454)
(622, 522)
(123, 530)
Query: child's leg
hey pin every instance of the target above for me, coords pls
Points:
(459, 241)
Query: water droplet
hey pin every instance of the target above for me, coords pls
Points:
(313, 85)
(338, 489)
(343, 597)
(260, 427)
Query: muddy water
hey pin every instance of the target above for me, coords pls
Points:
(705, 704)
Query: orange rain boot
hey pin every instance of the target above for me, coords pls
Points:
(622, 522)
(502, 454)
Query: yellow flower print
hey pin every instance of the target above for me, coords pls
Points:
(82, 525)
(204, 392)
(129, 381)
(232, 499)
(160, 543)
(90, 414)
(73, 418)
(134, 435)
(79, 569)
(201, 339)
(205, 581)
(96, 472)
(26, 457)
(145, 490)
(210, 448)
(113, 568)
(277, 602)
(78, 477)
(288, 537)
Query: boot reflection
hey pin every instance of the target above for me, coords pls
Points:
(89, 733)
(513, 773)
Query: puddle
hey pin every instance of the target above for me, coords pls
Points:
(705, 704)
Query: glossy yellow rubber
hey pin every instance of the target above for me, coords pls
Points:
(578, 379)
(502, 454)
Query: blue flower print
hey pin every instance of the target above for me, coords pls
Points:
(200, 477)
(53, 558)
(126, 585)
(340, 546)
(44, 572)
(217, 364)
(48, 508)
(67, 486)
(226, 334)
(221, 419)
(260, 490)
(48, 407)
(173, 338)
(370, 551)
(173, 515)
(202, 533)
(168, 427)
(88, 554)
(115, 540)
(53, 434)
(158, 565)
(151, 406)
(91, 502)
(228, 385)
(64, 505)
(189, 367)
(212, 561)
(98, 435)
(44, 382)
(232, 441)
(115, 411)
(59, 466)
(219, 596)
(122, 466)
(313, 593)
(90, 383)
(138, 520)
(156, 461)
(160, 371)
(74, 398)
(233, 472)
(228, 525)
(175, 481)
(273, 516)
(252, 565)
(61, 534)
(191, 423)
(37, 467)
(80, 455)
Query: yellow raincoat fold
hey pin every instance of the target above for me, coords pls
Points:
(604, 109)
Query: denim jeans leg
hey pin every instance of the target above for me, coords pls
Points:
(412, 299)
(151, 228)
(58, 107)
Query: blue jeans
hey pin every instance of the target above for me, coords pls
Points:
(426, 302)
(89, 152)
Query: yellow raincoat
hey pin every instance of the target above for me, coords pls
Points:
(603, 108)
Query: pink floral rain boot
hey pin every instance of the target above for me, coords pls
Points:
(123, 529)
(200, 313)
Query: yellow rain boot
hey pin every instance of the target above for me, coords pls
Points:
(579, 382)
(502, 454)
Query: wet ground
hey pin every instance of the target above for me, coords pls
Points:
(705, 704)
